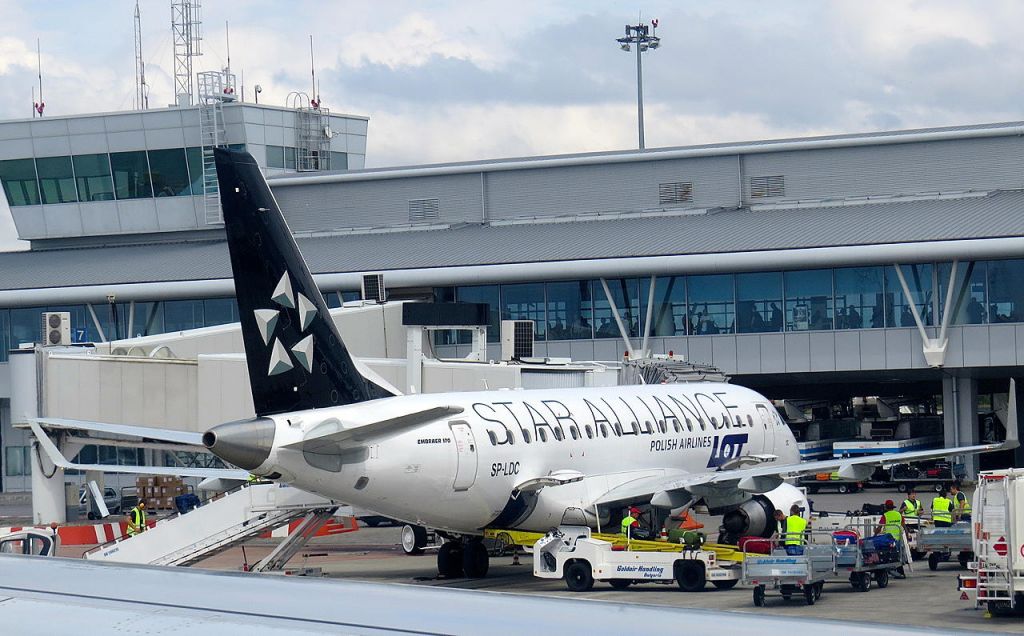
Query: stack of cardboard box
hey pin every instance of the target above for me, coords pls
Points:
(159, 492)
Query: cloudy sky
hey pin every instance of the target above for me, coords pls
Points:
(449, 81)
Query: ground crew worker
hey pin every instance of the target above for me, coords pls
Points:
(891, 523)
(794, 535)
(961, 503)
(942, 510)
(137, 519)
(631, 521)
(252, 479)
(911, 506)
(780, 522)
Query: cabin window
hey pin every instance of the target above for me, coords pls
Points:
(574, 432)
(618, 429)
(739, 421)
(714, 422)
(676, 426)
(526, 436)
(491, 436)
(750, 421)
(557, 432)
(589, 431)
(542, 435)
(604, 431)
(662, 427)
(700, 421)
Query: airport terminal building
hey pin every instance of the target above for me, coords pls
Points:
(851, 265)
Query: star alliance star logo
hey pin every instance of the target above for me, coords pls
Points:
(267, 319)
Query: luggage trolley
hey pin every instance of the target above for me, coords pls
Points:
(789, 574)
(941, 543)
(868, 558)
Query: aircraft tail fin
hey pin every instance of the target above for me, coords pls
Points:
(296, 357)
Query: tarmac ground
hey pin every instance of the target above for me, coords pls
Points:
(924, 599)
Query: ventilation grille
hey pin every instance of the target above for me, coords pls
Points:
(678, 192)
(424, 209)
(373, 288)
(766, 187)
(516, 339)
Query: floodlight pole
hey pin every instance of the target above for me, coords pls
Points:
(640, 95)
(643, 38)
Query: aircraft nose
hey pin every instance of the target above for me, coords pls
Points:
(246, 444)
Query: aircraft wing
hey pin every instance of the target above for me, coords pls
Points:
(50, 595)
(331, 436)
(57, 457)
(767, 476)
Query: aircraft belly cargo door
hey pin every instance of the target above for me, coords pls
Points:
(465, 448)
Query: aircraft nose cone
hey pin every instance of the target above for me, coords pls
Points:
(246, 444)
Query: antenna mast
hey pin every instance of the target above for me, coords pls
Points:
(141, 96)
(38, 108)
(185, 27)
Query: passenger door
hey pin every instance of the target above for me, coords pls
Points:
(466, 455)
(768, 427)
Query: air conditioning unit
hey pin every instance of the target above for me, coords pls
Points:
(516, 339)
(373, 288)
(56, 328)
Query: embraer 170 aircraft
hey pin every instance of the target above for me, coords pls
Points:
(461, 462)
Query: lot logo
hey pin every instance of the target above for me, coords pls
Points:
(726, 448)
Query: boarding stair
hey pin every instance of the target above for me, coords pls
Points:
(222, 523)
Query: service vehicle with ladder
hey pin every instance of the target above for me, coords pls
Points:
(996, 579)
(574, 554)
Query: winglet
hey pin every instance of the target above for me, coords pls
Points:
(1012, 430)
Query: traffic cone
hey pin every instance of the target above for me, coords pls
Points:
(664, 534)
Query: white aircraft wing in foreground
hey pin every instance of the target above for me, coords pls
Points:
(43, 596)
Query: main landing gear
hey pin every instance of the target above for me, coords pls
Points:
(467, 557)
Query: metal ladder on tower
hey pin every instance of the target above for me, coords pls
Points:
(212, 134)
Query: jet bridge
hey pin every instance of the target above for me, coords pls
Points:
(222, 523)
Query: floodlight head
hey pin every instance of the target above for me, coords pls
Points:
(625, 46)
(654, 44)
(259, 89)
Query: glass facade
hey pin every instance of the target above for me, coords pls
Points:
(859, 294)
(169, 172)
(759, 302)
(194, 159)
(19, 179)
(56, 180)
(92, 174)
(808, 300)
(802, 300)
(131, 175)
(712, 304)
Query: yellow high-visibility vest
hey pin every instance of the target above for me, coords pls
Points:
(913, 508)
(137, 521)
(893, 524)
(962, 500)
(795, 526)
(940, 510)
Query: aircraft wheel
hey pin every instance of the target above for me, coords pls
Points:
(414, 539)
(620, 584)
(933, 561)
(690, 576)
(882, 579)
(579, 577)
(475, 560)
(449, 560)
(759, 596)
(724, 585)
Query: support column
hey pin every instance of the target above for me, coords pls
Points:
(967, 422)
(47, 489)
(414, 358)
(950, 410)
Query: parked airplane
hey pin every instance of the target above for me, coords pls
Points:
(460, 462)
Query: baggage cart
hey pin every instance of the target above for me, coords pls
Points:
(868, 559)
(941, 543)
(789, 574)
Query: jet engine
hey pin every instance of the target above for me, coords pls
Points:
(755, 517)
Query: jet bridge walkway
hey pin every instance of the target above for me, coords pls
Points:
(222, 523)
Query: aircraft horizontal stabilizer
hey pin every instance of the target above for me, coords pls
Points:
(103, 428)
(58, 459)
(331, 437)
